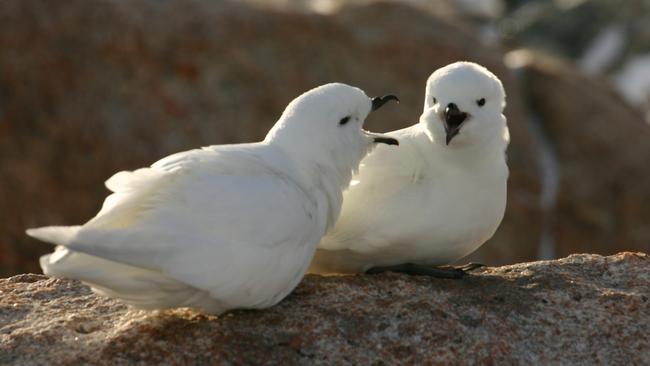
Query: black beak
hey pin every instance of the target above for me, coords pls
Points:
(377, 102)
(386, 140)
(454, 118)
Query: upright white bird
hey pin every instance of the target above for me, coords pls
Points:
(438, 197)
(223, 227)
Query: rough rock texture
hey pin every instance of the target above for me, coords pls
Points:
(583, 309)
(88, 88)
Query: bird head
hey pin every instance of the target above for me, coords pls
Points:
(325, 126)
(463, 106)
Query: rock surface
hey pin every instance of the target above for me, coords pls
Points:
(583, 309)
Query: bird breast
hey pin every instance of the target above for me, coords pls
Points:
(463, 211)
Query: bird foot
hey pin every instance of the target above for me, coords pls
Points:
(467, 267)
(451, 272)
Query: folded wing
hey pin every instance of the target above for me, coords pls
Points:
(214, 220)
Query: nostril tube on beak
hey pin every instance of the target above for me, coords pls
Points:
(453, 119)
(453, 116)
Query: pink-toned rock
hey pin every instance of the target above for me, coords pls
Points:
(583, 309)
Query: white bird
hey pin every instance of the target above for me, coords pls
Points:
(438, 197)
(226, 226)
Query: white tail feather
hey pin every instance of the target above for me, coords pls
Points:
(60, 235)
(141, 288)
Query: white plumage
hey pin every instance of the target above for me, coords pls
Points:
(228, 226)
(428, 202)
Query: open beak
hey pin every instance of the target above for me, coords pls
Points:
(386, 140)
(379, 138)
(454, 119)
(377, 102)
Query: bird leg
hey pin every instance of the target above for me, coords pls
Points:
(423, 270)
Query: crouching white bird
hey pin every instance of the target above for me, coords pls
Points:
(223, 227)
(438, 197)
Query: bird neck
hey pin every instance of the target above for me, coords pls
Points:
(491, 149)
(323, 180)
(331, 183)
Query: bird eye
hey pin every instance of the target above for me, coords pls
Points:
(344, 120)
(480, 102)
(435, 100)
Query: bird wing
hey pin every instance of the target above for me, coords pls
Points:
(215, 219)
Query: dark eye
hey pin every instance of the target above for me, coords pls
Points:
(435, 100)
(480, 102)
(344, 120)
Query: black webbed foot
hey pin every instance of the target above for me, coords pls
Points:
(450, 272)
(470, 266)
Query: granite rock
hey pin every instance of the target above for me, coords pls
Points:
(581, 310)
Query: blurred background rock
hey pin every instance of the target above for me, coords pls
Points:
(90, 87)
